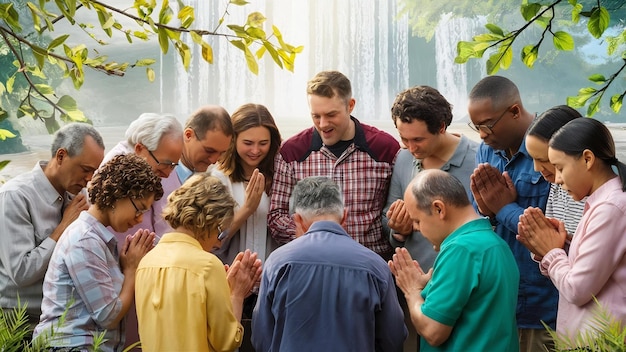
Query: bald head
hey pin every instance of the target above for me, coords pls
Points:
(434, 184)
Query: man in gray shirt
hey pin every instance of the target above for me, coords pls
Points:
(35, 209)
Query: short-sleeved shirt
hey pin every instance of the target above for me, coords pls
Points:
(84, 271)
(183, 299)
(474, 289)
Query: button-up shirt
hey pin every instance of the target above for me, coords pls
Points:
(85, 279)
(30, 210)
(363, 173)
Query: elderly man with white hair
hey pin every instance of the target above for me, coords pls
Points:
(158, 139)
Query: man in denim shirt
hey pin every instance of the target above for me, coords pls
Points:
(503, 185)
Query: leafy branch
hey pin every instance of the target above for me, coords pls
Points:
(501, 42)
(33, 61)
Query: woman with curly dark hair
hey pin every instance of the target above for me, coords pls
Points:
(89, 286)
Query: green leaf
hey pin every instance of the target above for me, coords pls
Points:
(207, 52)
(563, 41)
(184, 52)
(486, 37)
(529, 55)
(2, 90)
(150, 74)
(163, 40)
(10, 83)
(256, 32)
(66, 102)
(44, 88)
(494, 29)
(594, 107)
(74, 116)
(598, 21)
(576, 10)
(493, 64)
(52, 125)
(238, 2)
(35, 13)
(256, 19)
(529, 10)
(197, 38)
(4, 163)
(141, 35)
(57, 41)
(10, 16)
(597, 78)
(4, 134)
(616, 102)
(145, 62)
(166, 14)
(273, 53)
(186, 16)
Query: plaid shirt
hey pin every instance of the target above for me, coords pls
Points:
(83, 270)
(362, 172)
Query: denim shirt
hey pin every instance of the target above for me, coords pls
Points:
(537, 298)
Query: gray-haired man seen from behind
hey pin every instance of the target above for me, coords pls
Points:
(35, 209)
(340, 295)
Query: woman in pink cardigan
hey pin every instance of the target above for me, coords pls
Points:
(583, 153)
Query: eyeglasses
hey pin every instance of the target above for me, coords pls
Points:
(138, 212)
(162, 165)
(488, 129)
(222, 234)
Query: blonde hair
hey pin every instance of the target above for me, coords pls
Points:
(202, 203)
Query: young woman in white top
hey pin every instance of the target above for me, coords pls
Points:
(247, 169)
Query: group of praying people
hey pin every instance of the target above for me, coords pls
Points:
(337, 238)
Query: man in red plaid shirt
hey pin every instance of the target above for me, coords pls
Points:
(358, 157)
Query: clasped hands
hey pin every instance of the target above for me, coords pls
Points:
(491, 189)
(540, 234)
(244, 273)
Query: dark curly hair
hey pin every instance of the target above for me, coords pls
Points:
(124, 176)
(422, 103)
(201, 204)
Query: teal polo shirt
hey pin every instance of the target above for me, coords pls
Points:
(474, 289)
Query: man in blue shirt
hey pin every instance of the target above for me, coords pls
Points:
(503, 185)
(324, 291)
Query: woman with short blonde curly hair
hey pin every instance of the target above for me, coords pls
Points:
(182, 289)
(89, 285)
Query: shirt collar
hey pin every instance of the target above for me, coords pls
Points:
(327, 226)
(183, 172)
(42, 184)
(603, 191)
(105, 234)
(359, 137)
(459, 154)
(172, 237)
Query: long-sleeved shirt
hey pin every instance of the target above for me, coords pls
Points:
(152, 219)
(183, 299)
(84, 278)
(363, 173)
(325, 292)
(563, 207)
(461, 165)
(596, 263)
(537, 297)
(30, 210)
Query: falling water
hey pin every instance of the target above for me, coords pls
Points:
(452, 78)
(361, 38)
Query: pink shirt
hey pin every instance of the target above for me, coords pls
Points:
(596, 265)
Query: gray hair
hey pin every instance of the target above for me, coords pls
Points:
(71, 137)
(315, 196)
(434, 184)
(149, 128)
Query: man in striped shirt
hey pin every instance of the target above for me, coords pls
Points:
(358, 157)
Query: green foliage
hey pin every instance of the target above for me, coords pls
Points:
(606, 334)
(498, 44)
(39, 53)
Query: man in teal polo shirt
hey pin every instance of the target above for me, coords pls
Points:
(467, 301)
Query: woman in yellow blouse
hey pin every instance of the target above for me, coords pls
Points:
(185, 299)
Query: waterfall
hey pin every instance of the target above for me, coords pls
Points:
(361, 38)
(452, 78)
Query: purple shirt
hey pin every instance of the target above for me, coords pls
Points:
(596, 264)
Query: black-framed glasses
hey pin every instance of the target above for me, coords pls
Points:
(488, 129)
(138, 212)
(162, 165)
